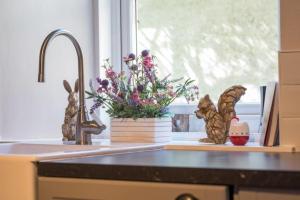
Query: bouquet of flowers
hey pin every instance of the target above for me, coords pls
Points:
(138, 93)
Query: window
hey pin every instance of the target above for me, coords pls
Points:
(217, 43)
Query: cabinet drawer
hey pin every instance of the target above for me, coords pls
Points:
(289, 101)
(289, 131)
(265, 194)
(289, 68)
(83, 189)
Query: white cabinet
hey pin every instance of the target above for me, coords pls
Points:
(289, 72)
(289, 24)
(83, 189)
(289, 97)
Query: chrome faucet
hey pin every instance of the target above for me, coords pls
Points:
(84, 127)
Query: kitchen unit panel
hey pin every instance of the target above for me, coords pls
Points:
(260, 194)
(289, 24)
(289, 99)
(79, 189)
(289, 70)
(290, 128)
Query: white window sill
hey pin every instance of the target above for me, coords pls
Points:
(195, 136)
(249, 147)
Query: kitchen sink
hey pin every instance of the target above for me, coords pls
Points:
(18, 161)
(18, 165)
(37, 149)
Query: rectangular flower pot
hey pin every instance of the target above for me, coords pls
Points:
(142, 130)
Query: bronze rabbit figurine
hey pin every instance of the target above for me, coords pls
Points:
(69, 126)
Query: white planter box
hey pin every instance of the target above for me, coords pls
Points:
(144, 130)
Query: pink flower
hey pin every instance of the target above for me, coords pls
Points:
(148, 62)
(99, 90)
(171, 93)
(110, 73)
(170, 87)
(146, 102)
(135, 96)
(121, 95)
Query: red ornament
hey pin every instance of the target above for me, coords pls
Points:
(239, 140)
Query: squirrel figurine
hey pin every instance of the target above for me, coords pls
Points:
(69, 126)
(217, 122)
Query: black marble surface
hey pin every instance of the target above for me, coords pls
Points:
(243, 169)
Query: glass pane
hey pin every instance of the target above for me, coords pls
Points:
(218, 43)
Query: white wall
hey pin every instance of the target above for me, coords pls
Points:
(30, 109)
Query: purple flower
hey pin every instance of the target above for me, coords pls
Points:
(98, 80)
(148, 74)
(110, 73)
(145, 53)
(99, 90)
(133, 67)
(95, 106)
(140, 88)
(135, 96)
(115, 98)
(104, 83)
(131, 56)
(120, 95)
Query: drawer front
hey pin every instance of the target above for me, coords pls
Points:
(289, 101)
(289, 68)
(79, 189)
(265, 194)
(290, 129)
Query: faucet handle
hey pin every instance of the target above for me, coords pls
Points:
(98, 121)
(96, 118)
(93, 127)
(88, 128)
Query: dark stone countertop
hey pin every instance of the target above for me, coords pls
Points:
(242, 169)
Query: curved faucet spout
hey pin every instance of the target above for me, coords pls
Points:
(50, 37)
(82, 121)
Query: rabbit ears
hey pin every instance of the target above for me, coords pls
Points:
(68, 87)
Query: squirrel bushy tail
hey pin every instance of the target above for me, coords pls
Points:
(227, 102)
